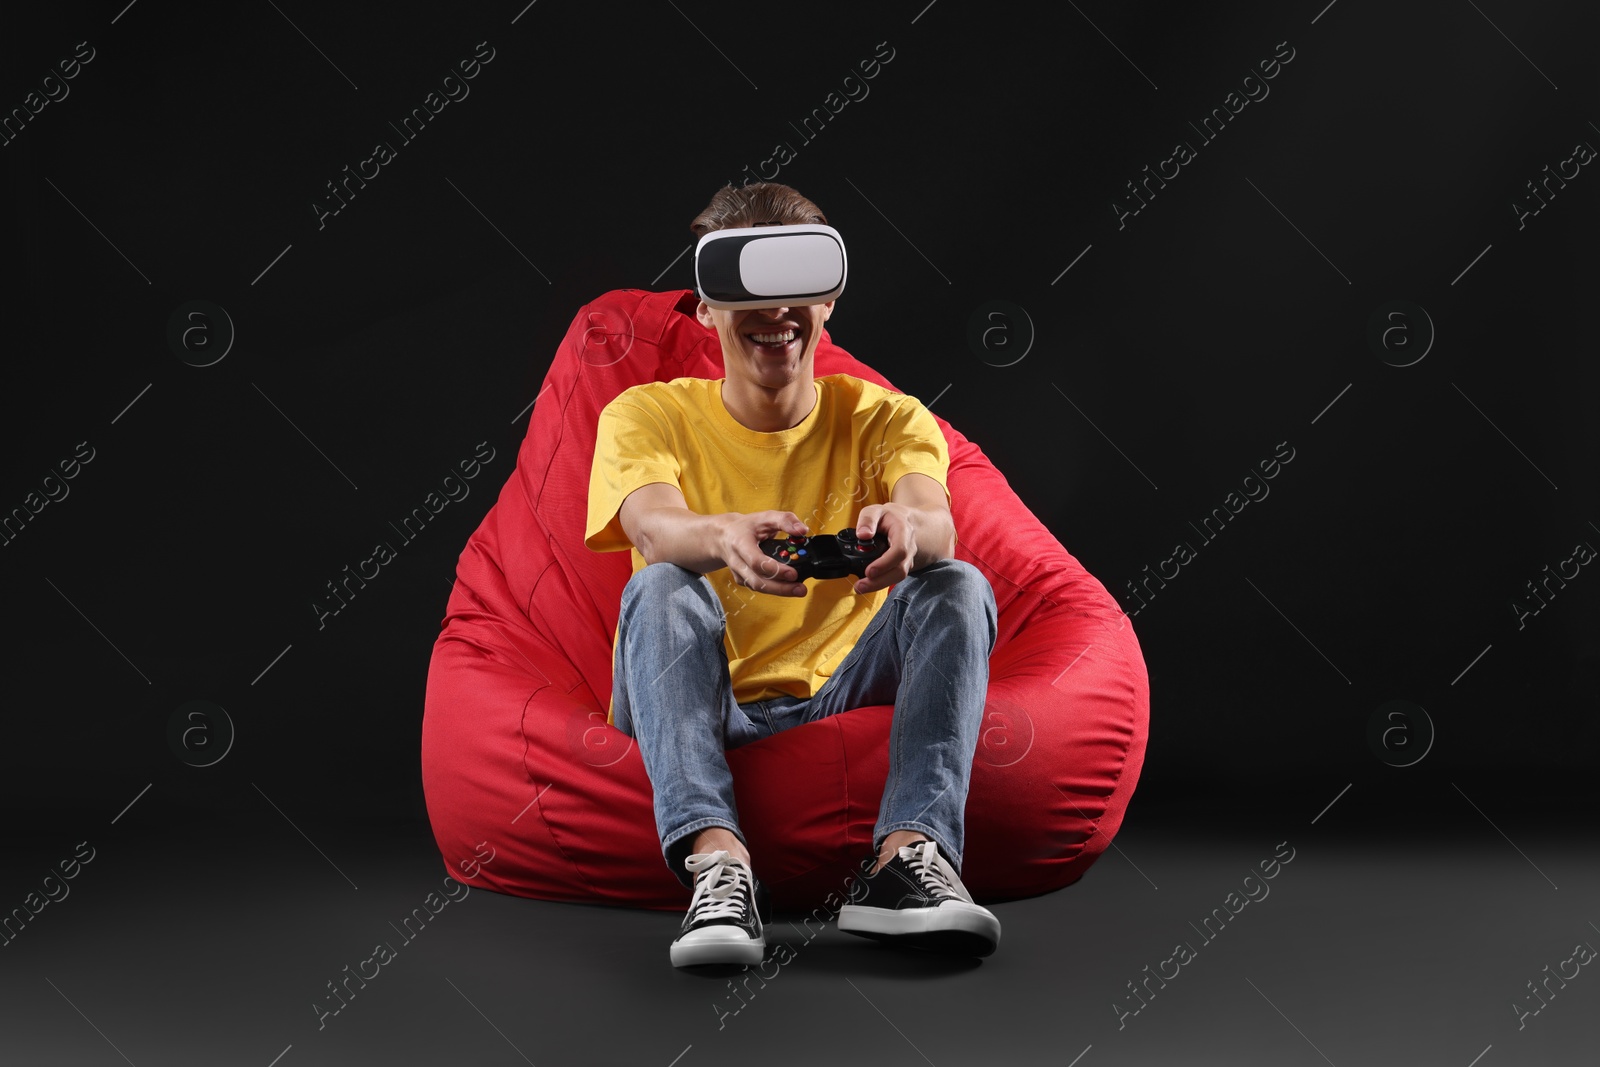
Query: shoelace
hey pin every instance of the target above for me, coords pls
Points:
(934, 871)
(717, 895)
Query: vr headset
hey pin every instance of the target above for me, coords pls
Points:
(769, 266)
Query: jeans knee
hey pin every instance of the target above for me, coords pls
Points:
(959, 589)
(668, 587)
(657, 580)
(959, 581)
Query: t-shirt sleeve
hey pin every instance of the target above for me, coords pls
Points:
(631, 449)
(913, 442)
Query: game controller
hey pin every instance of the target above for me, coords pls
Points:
(827, 555)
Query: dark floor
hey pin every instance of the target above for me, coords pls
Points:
(1407, 941)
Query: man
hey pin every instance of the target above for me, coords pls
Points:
(719, 645)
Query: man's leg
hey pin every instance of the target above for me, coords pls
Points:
(672, 693)
(926, 652)
(933, 636)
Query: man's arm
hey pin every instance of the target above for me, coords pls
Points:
(658, 521)
(919, 526)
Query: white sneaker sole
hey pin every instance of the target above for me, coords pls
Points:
(954, 926)
(718, 944)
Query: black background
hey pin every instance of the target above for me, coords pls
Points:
(1173, 356)
(375, 351)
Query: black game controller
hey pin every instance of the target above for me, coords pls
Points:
(826, 555)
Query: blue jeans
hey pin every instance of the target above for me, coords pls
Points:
(926, 651)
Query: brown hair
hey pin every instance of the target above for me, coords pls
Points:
(757, 204)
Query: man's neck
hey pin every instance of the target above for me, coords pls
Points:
(769, 410)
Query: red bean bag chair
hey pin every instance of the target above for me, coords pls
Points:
(530, 792)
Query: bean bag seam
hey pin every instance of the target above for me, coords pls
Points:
(1132, 709)
(536, 504)
(527, 610)
(527, 746)
(844, 809)
(630, 308)
(561, 426)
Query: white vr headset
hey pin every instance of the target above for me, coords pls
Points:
(769, 266)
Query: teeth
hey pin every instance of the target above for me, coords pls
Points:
(773, 338)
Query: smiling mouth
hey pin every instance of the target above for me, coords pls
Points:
(776, 343)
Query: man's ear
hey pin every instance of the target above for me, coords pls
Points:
(703, 313)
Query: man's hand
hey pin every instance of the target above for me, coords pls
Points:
(899, 523)
(739, 547)
(918, 525)
(664, 530)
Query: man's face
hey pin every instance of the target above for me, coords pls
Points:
(745, 353)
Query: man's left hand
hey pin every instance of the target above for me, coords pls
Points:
(899, 523)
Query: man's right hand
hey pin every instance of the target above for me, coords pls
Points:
(659, 523)
(739, 546)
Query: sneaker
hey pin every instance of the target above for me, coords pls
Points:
(724, 920)
(917, 899)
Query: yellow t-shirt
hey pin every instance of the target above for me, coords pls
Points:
(847, 453)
